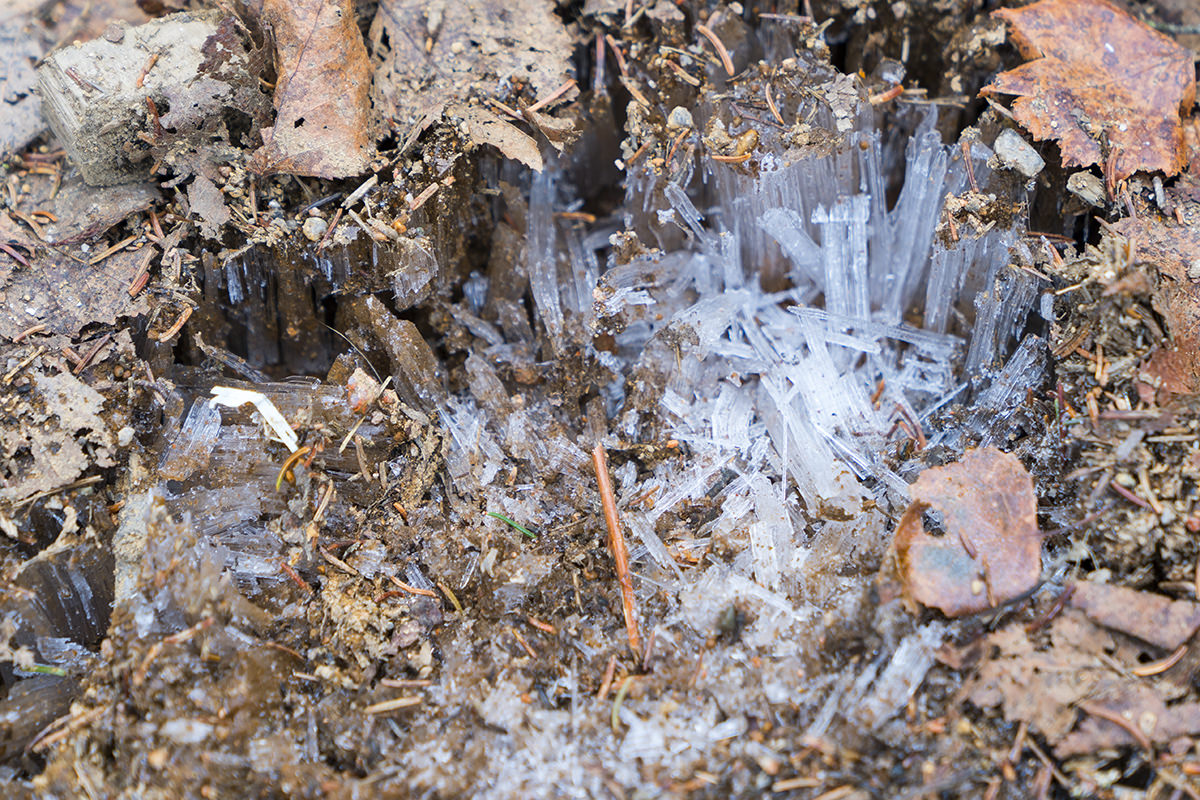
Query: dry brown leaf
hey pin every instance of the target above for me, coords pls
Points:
(1067, 682)
(47, 449)
(1142, 707)
(1041, 686)
(484, 127)
(1174, 250)
(1150, 617)
(208, 206)
(430, 54)
(1109, 89)
(196, 137)
(84, 212)
(991, 551)
(65, 295)
(322, 94)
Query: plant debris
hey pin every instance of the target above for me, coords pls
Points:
(322, 92)
(1107, 88)
(990, 551)
(429, 55)
(1174, 251)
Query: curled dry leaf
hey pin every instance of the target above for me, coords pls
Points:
(322, 93)
(991, 551)
(484, 127)
(1109, 89)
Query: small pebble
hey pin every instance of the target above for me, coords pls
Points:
(1016, 153)
(679, 118)
(314, 228)
(125, 436)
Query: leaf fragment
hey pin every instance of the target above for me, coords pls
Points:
(1107, 88)
(484, 127)
(1174, 250)
(430, 54)
(991, 551)
(322, 93)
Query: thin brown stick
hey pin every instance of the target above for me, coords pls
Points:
(337, 217)
(408, 587)
(74, 723)
(885, 97)
(916, 426)
(20, 259)
(557, 93)
(607, 681)
(20, 337)
(295, 576)
(616, 51)
(598, 72)
(722, 53)
(683, 74)
(616, 541)
(337, 562)
(771, 104)
(521, 641)
(405, 683)
(388, 706)
(966, 151)
(1045, 759)
(1162, 665)
(420, 199)
(645, 146)
(146, 69)
(108, 251)
(1128, 495)
(675, 146)
(154, 223)
(87, 358)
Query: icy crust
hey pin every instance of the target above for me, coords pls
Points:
(882, 318)
(221, 466)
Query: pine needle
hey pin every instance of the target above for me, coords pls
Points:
(516, 525)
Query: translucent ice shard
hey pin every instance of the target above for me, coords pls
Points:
(844, 255)
(902, 676)
(543, 257)
(190, 447)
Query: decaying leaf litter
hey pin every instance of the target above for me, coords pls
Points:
(893, 385)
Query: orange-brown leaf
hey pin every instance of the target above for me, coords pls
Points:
(1109, 89)
(991, 551)
(322, 94)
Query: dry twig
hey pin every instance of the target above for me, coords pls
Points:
(616, 542)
